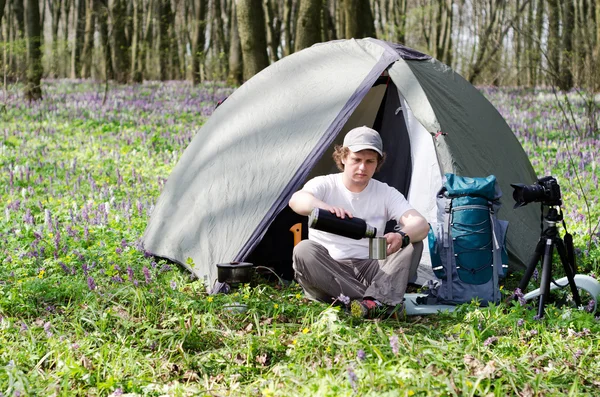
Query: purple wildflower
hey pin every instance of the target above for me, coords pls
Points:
(491, 340)
(118, 392)
(117, 279)
(361, 355)
(47, 327)
(119, 250)
(165, 268)
(344, 299)
(352, 378)
(520, 322)
(394, 344)
(590, 306)
(91, 283)
(519, 295)
(147, 275)
(577, 354)
(130, 274)
(536, 274)
(24, 326)
(173, 285)
(28, 218)
(65, 268)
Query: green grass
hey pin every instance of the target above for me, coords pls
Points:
(83, 311)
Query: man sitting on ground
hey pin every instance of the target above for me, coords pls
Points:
(329, 266)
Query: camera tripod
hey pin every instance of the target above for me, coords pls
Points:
(544, 250)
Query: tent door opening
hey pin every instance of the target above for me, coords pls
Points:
(380, 109)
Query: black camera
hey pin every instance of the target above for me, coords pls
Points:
(546, 191)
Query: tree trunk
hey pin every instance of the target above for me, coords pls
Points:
(20, 16)
(287, 29)
(136, 75)
(444, 31)
(235, 50)
(492, 37)
(308, 26)
(596, 13)
(328, 25)
(219, 52)
(88, 42)
(164, 45)
(359, 19)
(400, 9)
(78, 27)
(146, 39)
(101, 7)
(33, 88)
(2, 4)
(537, 53)
(273, 24)
(118, 41)
(566, 76)
(251, 26)
(198, 40)
(553, 40)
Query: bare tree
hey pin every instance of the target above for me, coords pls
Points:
(33, 88)
(308, 27)
(359, 19)
(135, 73)
(565, 81)
(199, 12)
(118, 41)
(251, 26)
(78, 28)
(88, 41)
(2, 5)
(235, 50)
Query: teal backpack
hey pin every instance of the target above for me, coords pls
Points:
(467, 247)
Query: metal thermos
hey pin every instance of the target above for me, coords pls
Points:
(355, 228)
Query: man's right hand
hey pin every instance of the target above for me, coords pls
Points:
(339, 212)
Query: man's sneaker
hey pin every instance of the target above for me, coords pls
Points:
(371, 309)
(367, 308)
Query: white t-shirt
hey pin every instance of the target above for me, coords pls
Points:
(376, 204)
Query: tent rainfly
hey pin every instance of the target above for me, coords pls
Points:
(226, 199)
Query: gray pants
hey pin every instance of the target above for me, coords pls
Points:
(323, 278)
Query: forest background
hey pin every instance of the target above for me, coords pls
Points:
(490, 42)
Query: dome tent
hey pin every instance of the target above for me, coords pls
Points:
(278, 130)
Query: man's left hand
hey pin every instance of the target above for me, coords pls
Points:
(394, 242)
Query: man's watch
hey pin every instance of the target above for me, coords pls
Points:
(405, 238)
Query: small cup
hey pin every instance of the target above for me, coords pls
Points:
(377, 248)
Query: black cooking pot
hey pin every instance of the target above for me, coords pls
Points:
(235, 272)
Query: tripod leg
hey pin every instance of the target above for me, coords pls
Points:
(539, 250)
(562, 252)
(546, 275)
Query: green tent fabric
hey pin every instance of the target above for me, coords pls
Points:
(278, 130)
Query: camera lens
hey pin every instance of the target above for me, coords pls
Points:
(525, 194)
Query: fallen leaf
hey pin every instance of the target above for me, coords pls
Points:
(527, 392)
(190, 376)
(262, 359)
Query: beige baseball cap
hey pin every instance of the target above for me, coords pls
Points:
(362, 138)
